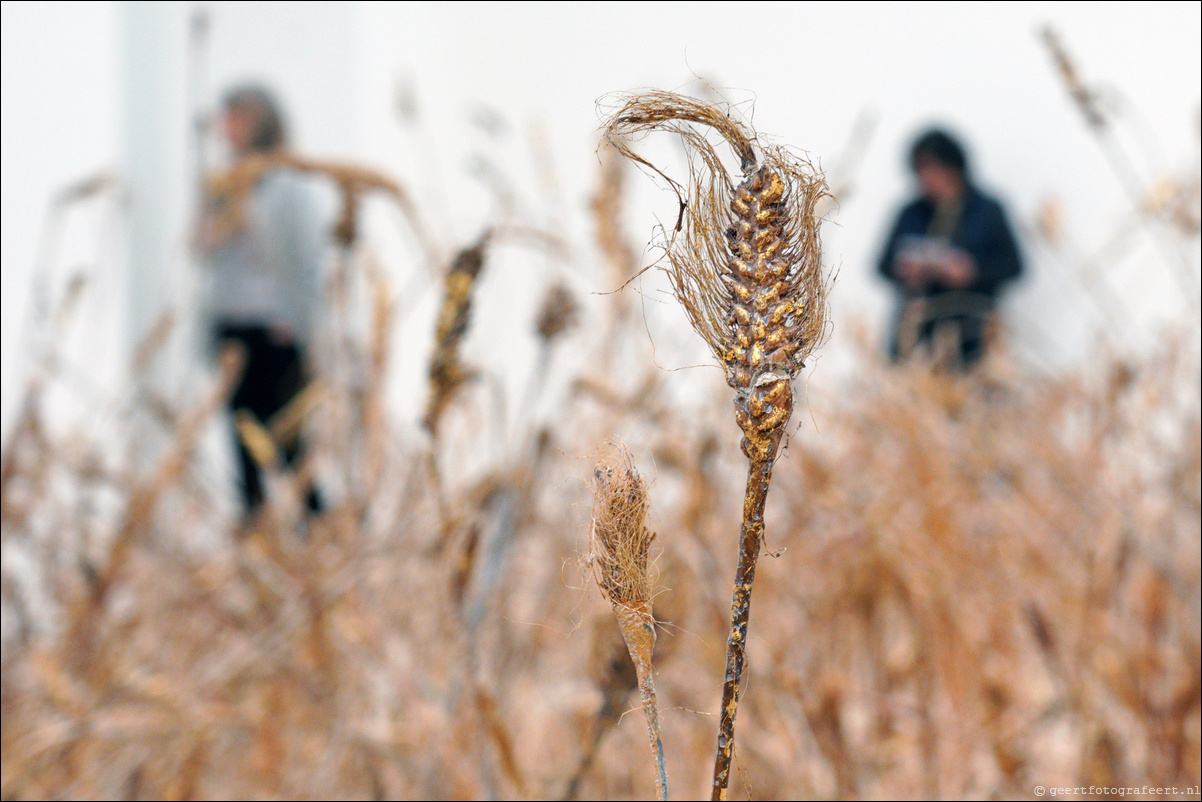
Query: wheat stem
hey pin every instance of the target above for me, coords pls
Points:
(759, 474)
(651, 710)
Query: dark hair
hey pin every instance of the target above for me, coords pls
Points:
(270, 131)
(941, 148)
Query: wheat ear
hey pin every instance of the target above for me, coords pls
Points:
(745, 265)
(619, 551)
(447, 371)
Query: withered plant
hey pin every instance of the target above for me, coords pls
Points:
(746, 268)
(1148, 200)
(620, 554)
(446, 371)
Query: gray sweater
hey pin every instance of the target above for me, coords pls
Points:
(269, 273)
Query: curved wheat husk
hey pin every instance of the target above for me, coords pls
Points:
(619, 552)
(745, 263)
(229, 192)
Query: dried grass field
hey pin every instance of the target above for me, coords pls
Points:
(970, 585)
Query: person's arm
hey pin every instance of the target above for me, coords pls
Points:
(906, 258)
(884, 263)
(998, 259)
(887, 264)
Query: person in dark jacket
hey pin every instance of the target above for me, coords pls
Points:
(949, 254)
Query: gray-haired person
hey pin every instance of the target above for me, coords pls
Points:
(260, 235)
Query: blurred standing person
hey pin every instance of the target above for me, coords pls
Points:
(260, 236)
(949, 254)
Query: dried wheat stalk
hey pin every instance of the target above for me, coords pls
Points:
(747, 270)
(446, 371)
(620, 550)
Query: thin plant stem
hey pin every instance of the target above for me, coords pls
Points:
(759, 474)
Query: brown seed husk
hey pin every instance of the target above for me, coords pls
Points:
(746, 265)
(621, 543)
(620, 551)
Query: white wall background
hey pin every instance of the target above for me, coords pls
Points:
(59, 123)
(103, 86)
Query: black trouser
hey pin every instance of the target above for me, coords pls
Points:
(920, 319)
(969, 338)
(273, 376)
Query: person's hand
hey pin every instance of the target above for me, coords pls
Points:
(912, 273)
(282, 334)
(957, 270)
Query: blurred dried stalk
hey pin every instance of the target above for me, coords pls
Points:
(616, 680)
(446, 371)
(1085, 98)
(748, 273)
(558, 314)
(230, 192)
(607, 206)
(144, 497)
(1014, 596)
(1147, 197)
